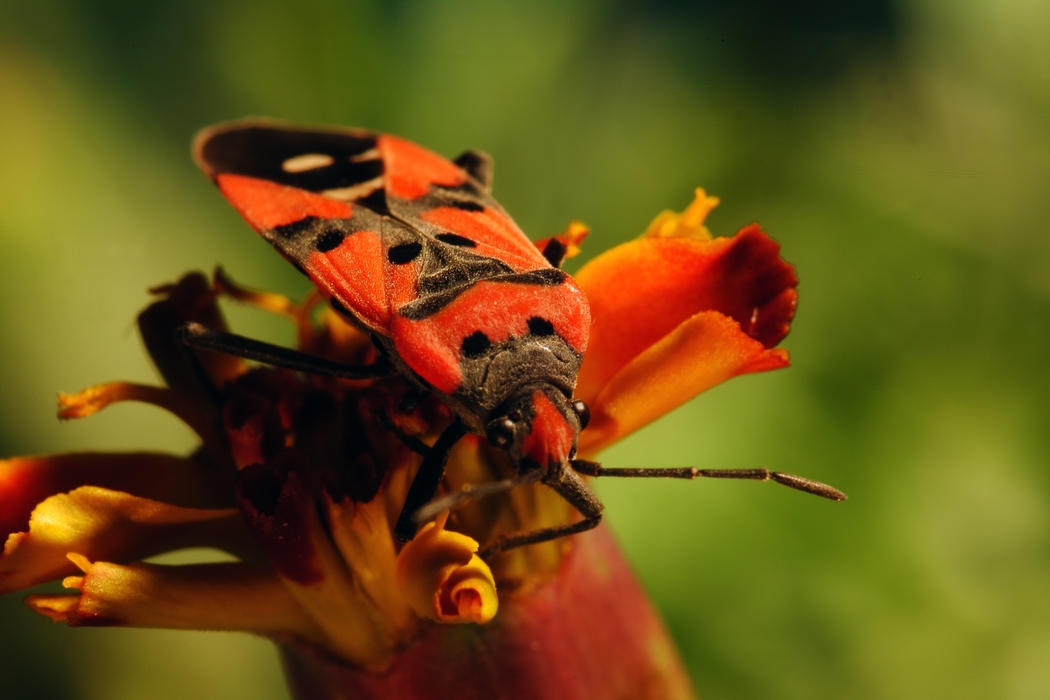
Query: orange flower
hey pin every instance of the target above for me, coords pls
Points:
(302, 478)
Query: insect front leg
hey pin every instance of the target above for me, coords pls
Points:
(195, 335)
(427, 480)
(573, 489)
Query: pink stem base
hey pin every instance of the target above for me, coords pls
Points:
(588, 634)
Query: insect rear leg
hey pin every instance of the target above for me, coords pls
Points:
(573, 489)
(427, 480)
(195, 335)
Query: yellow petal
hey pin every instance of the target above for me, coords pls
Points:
(444, 579)
(702, 352)
(688, 224)
(27, 481)
(363, 535)
(227, 596)
(104, 524)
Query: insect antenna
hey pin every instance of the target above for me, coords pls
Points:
(472, 492)
(790, 480)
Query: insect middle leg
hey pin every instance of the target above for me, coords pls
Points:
(573, 489)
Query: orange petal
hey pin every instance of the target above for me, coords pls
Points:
(443, 578)
(89, 401)
(227, 596)
(705, 350)
(111, 525)
(641, 291)
(26, 481)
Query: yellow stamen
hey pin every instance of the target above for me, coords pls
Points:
(688, 224)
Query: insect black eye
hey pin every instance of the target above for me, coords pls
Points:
(582, 412)
(500, 432)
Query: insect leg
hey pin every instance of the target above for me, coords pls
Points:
(197, 336)
(427, 480)
(472, 492)
(789, 480)
(573, 489)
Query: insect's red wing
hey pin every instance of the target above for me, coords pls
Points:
(408, 244)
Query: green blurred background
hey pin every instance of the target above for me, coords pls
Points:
(900, 151)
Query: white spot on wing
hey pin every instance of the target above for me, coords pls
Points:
(349, 194)
(370, 154)
(307, 161)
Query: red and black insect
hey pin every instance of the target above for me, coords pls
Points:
(412, 248)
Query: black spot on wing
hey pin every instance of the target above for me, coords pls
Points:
(260, 150)
(476, 344)
(467, 205)
(540, 326)
(329, 240)
(456, 240)
(404, 253)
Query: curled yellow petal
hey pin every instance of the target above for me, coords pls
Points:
(444, 579)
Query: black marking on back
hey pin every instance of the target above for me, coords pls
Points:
(404, 253)
(329, 240)
(467, 205)
(540, 326)
(476, 344)
(430, 304)
(456, 240)
(500, 371)
(555, 251)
